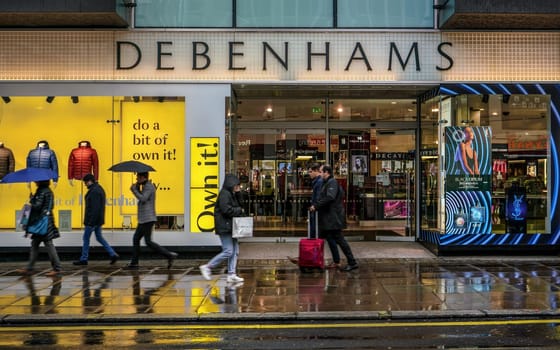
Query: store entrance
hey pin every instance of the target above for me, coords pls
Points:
(376, 167)
(367, 135)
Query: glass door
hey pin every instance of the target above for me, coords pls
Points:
(376, 168)
(272, 165)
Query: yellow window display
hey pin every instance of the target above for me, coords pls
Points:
(78, 135)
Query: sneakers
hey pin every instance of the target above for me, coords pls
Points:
(171, 259)
(234, 279)
(80, 262)
(205, 272)
(114, 259)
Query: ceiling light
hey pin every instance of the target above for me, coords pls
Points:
(50, 99)
(75, 99)
(7, 99)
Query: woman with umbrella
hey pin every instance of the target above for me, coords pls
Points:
(42, 204)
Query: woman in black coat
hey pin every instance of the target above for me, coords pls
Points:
(42, 203)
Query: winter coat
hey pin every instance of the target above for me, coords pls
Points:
(40, 202)
(7, 161)
(146, 196)
(94, 214)
(227, 206)
(330, 206)
(317, 184)
(83, 160)
(43, 157)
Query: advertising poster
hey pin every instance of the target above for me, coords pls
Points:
(468, 180)
(516, 210)
(153, 133)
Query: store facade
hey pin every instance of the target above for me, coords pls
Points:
(264, 105)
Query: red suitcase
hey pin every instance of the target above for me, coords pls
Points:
(311, 250)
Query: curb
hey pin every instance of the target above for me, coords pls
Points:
(233, 318)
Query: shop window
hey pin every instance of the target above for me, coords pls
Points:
(88, 134)
(512, 150)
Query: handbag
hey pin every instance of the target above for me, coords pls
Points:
(41, 226)
(242, 227)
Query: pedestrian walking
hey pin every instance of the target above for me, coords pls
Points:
(227, 207)
(332, 217)
(94, 218)
(145, 192)
(42, 203)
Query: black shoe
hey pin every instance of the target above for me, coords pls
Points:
(80, 262)
(349, 267)
(114, 259)
(131, 266)
(171, 259)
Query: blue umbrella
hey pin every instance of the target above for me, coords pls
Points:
(29, 175)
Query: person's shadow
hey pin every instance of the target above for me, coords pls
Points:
(42, 305)
(143, 302)
(93, 303)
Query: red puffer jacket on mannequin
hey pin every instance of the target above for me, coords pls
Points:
(83, 160)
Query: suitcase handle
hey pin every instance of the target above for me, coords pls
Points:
(315, 216)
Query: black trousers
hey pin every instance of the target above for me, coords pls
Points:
(145, 230)
(334, 239)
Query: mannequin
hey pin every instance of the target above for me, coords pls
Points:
(7, 161)
(43, 157)
(83, 160)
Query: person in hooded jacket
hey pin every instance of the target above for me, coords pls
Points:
(42, 203)
(227, 207)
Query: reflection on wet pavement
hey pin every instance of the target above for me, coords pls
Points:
(378, 285)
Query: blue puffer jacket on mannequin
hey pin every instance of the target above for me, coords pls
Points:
(43, 157)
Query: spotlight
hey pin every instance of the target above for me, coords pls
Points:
(505, 99)
(136, 99)
(75, 99)
(50, 99)
(484, 98)
(160, 99)
(7, 99)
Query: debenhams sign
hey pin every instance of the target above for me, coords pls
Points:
(293, 56)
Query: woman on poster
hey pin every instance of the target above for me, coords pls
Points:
(466, 155)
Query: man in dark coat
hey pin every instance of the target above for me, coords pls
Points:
(94, 218)
(332, 218)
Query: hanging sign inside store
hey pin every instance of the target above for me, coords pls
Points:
(468, 181)
(205, 170)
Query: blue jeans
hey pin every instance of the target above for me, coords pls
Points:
(230, 251)
(98, 237)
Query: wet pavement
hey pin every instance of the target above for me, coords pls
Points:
(394, 280)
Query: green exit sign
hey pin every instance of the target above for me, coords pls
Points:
(317, 110)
